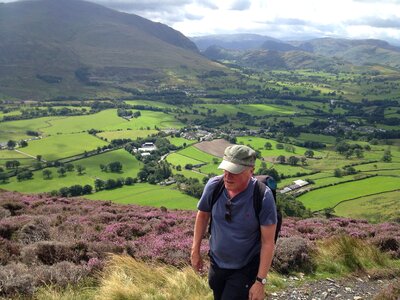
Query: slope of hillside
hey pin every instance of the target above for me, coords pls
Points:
(358, 52)
(70, 47)
(48, 240)
(232, 41)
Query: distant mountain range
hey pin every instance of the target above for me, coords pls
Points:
(51, 48)
(324, 53)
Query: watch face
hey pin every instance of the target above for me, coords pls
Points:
(264, 281)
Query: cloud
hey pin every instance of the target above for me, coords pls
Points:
(207, 4)
(144, 5)
(377, 22)
(241, 5)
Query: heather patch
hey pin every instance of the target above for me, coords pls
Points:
(40, 236)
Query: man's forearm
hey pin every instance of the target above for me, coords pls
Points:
(267, 250)
(199, 229)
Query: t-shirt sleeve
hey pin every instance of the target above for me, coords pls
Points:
(268, 212)
(204, 203)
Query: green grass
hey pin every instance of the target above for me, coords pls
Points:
(39, 184)
(331, 196)
(179, 142)
(148, 195)
(109, 121)
(258, 144)
(326, 139)
(251, 109)
(63, 145)
(376, 208)
(125, 134)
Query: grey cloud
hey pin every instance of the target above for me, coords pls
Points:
(144, 5)
(285, 21)
(207, 4)
(241, 5)
(377, 22)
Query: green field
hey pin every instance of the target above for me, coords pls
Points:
(73, 124)
(376, 208)
(63, 145)
(258, 144)
(179, 142)
(125, 134)
(251, 109)
(331, 196)
(326, 139)
(131, 167)
(148, 195)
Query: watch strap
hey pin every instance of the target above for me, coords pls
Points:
(263, 281)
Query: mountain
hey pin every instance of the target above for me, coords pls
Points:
(243, 41)
(320, 54)
(358, 52)
(272, 59)
(53, 48)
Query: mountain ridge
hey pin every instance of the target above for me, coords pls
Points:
(53, 48)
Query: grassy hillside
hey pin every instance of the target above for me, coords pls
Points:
(77, 48)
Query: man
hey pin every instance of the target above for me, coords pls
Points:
(241, 247)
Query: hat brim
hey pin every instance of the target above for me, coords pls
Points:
(231, 167)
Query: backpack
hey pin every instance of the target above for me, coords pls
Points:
(258, 195)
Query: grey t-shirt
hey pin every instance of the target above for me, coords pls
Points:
(233, 244)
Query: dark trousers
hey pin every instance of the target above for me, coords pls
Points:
(232, 284)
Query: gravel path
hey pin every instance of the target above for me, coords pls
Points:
(353, 288)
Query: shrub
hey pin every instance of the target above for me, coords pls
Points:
(34, 231)
(16, 278)
(50, 253)
(8, 251)
(293, 255)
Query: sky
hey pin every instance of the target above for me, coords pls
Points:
(282, 19)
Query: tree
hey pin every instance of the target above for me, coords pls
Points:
(290, 148)
(99, 184)
(129, 181)
(279, 146)
(64, 191)
(61, 171)
(24, 175)
(281, 159)
(23, 143)
(337, 173)
(268, 146)
(103, 168)
(47, 173)
(387, 156)
(115, 167)
(87, 189)
(80, 169)
(293, 160)
(309, 154)
(11, 144)
(75, 190)
(3, 177)
(69, 167)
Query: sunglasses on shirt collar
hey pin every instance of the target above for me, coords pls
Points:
(228, 211)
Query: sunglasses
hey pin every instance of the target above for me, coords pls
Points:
(228, 211)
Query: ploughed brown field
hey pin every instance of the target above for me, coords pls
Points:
(215, 147)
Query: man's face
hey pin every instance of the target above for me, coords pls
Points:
(237, 182)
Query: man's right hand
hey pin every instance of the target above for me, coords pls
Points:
(197, 261)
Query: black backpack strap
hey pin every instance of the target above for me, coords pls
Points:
(258, 196)
(215, 195)
(269, 181)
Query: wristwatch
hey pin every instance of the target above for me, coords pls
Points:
(263, 281)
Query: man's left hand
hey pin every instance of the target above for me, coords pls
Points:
(257, 292)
